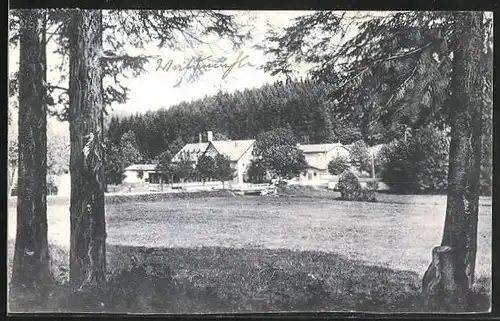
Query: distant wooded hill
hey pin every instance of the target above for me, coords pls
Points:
(300, 105)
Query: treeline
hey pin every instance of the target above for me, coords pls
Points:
(300, 105)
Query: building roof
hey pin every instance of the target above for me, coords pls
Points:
(193, 151)
(141, 167)
(320, 148)
(313, 163)
(234, 149)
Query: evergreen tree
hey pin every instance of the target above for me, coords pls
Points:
(31, 273)
(130, 150)
(408, 68)
(114, 170)
(88, 224)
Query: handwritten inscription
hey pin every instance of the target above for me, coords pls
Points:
(197, 64)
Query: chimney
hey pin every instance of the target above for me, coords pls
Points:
(209, 135)
(200, 138)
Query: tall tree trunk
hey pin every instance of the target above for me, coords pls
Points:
(460, 230)
(88, 226)
(31, 267)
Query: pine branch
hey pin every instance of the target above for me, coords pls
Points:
(110, 56)
(57, 87)
(403, 85)
(55, 32)
(396, 57)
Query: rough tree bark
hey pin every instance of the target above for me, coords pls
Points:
(88, 226)
(31, 267)
(460, 230)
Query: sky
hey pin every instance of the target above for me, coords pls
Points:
(155, 88)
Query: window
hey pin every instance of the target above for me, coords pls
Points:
(315, 174)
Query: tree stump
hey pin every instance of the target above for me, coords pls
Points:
(444, 285)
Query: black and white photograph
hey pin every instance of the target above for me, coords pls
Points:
(210, 161)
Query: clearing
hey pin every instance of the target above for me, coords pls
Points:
(211, 237)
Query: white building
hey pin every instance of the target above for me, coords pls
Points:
(239, 153)
(138, 174)
(317, 157)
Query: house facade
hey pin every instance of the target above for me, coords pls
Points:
(139, 174)
(317, 157)
(239, 153)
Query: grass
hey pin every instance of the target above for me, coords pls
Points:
(258, 254)
(225, 280)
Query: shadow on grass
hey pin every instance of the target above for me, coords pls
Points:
(227, 280)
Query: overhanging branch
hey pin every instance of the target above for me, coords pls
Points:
(57, 87)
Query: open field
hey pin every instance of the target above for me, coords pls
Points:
(213, 242)
(398, 232)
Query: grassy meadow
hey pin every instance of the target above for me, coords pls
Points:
(299, 251)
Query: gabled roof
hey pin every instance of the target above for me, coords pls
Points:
(317, 164)
(193, 151)
(141, 167)
(320, 148)
(234, 149)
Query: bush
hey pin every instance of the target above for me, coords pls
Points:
(351, 190)
(372, 185)
(338, 165)
(418, 165)
(367, 195)
(349, 186)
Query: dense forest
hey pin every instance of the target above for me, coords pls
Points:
(303, 107)
(300, 105)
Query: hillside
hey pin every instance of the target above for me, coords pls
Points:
(301, 105)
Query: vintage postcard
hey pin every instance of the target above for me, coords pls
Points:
(203, 161)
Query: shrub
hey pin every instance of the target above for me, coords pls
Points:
(372, 185)
(349, 186)
(351, 190)
(418, 165)
(367, 195)
(338, 165)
